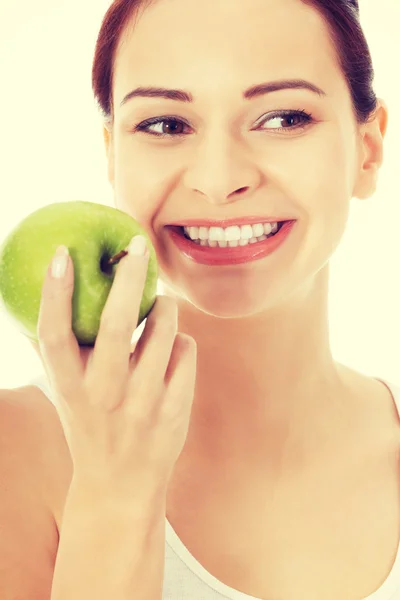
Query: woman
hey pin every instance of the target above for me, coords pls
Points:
(275, 465)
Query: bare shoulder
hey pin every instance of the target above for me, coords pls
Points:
(34, 471)
(32, 438)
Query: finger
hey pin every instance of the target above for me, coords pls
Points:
(180, 378)
(85, 352)
(58, 346)
(36, 347)
(152, 354)
(110, 360)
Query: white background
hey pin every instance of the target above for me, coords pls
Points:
(52, 150)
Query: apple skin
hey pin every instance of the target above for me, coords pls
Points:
(93, 233)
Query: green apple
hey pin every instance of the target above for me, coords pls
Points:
(94, 234)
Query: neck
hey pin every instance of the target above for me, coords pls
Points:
(267, 386)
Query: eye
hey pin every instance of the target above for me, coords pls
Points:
(290, 116)
(174, 127)
(167, 126)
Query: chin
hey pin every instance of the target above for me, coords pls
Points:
(228, 299)
(231, 306)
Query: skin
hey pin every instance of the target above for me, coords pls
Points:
(269, 394)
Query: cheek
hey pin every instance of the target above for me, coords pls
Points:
(317, 173)
(328, 210)
(145, 168)
(144, 177)
(135, 185)
(319, 183)
(331, 188)
(141, 195)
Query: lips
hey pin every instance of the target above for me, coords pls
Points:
(229, 222)
(182, 231)
(213, 256)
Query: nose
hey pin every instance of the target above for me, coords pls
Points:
(222, 172)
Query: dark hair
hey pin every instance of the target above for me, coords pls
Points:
(342, 17)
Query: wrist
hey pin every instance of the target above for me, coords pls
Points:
(104, 496)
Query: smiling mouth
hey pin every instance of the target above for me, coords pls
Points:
(224, 244)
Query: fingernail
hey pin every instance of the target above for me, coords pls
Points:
(60, 262)
(138, 246)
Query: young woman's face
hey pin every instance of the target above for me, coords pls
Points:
(221, 143)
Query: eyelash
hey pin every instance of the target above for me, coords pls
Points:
(142, 127)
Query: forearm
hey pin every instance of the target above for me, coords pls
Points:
(110, 551)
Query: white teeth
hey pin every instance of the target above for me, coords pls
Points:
(203, 233)
(258, 229)
(231, 244)
(247, 232)
(231, 234)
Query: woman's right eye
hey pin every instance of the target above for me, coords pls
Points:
(173, 125)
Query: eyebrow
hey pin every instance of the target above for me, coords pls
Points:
(253, 92)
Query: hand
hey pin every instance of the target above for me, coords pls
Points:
(125, 414)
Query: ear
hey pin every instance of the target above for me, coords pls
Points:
(109, 146)
(371, 152)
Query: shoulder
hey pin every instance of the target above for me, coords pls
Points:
(33, 444)
(33, 471)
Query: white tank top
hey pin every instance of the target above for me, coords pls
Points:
(186, 579)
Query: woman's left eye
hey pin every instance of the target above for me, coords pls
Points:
(289, 116)
(173, 126)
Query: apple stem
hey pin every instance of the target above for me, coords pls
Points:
(117, 257)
